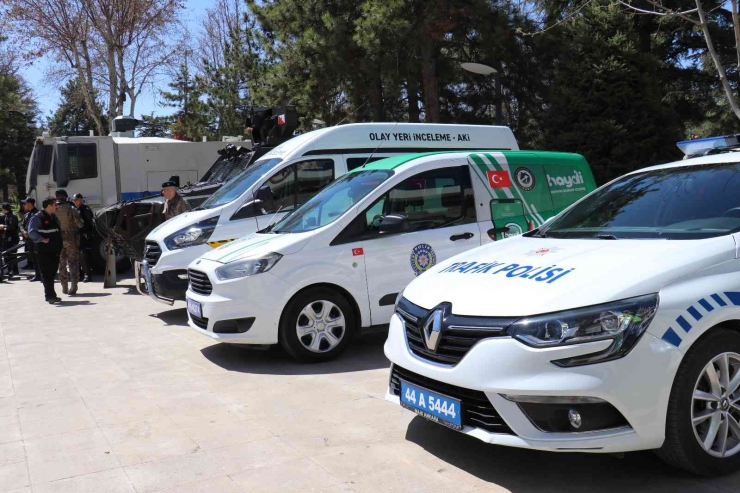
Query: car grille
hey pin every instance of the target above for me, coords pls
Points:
(199, 321)
(199, 282)
(477, 410)
(152, 252)
(458, 335)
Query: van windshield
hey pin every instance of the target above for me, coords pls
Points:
(333, 201)
(684, 203)
(232, 189)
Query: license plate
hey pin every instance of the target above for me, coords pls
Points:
(431, 405)
(194, 308)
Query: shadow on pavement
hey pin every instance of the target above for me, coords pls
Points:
(521, 470)
(365, 353)
(90, 295)
(176, 316)
(75, 303)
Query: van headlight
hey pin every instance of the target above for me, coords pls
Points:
(247, 267)
(623, 322)
(195, 234)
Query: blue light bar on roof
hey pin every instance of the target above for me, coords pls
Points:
(699, 146)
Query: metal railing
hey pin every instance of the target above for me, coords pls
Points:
(9, 258)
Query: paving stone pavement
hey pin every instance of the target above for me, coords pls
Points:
(110, 392)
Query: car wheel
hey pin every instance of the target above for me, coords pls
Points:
(703, 421)
(317, 326)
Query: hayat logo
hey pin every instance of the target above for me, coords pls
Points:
(565, 181)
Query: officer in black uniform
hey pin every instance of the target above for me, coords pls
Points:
(9, 234)
(86, 236)
(29, 205)
(46, 233)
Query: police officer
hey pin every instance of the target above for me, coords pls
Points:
(175, 204)
(86, 235)
(9, 235)
(29, 205)
(46, 233)
(70, 221)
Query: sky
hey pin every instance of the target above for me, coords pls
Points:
(48, 97)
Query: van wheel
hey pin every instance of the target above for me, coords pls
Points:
(99, 258)
(318, 325)
(703, 421)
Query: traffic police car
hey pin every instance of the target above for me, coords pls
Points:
(614, 327)
(338, 262)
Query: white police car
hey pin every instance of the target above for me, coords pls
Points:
(614, 327)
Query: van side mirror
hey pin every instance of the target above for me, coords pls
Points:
(394, 223)
(61, 169)
(250, 209)
(266, 198)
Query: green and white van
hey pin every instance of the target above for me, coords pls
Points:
(337, 264)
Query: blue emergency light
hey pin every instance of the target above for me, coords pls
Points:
(701, 146)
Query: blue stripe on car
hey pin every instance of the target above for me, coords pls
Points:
(683, 323)
(694, 313)
(719, 300)
(734, 297)
(671, 337)
(707, 306)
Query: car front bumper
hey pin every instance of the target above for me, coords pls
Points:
(638, 386)
(255, 301)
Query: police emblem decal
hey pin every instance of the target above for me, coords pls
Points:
(524, 179)
(423, 258)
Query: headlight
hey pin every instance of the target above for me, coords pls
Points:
(248, 267)
(623, 322)
(195, 234)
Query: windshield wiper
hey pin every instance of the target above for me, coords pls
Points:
(540, 235)
(606, 237)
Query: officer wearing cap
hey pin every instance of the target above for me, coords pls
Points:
(29, 205)
(175, 204)
(9, 234)
(46, 233)
(86, 235)
(70, 221)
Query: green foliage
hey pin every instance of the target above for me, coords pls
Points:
(72, 117)
(155, 126)
(18, 111)
(192, 119)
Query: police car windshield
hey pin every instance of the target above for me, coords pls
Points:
(684, 203)
(333, 201)
(232, 189)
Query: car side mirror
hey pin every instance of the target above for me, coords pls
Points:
(61, 165)
(250, 209)
(394, 223)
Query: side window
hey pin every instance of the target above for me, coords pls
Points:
(356, 162)
(82, 161)
(46, 160)
(282, 185)
(312, 177)
(432, 199)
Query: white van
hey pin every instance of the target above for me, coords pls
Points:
(338, 263)
(284, 178)
(613, 328)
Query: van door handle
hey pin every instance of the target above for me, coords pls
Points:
(461, 236)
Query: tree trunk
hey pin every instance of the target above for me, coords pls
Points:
(717, 63)
(112, 85)
(412, 91)
(88, 91)
(429, 81)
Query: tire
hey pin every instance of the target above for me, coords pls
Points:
(99, 260)
(319, 342)
(682, 447)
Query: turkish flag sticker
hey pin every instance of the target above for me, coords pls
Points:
(281, 119)
(499, 179)
(356, 252)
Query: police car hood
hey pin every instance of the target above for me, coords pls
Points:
(179, 222)
(256, 245)
(527, 276)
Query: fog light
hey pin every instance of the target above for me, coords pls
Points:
(574, 417)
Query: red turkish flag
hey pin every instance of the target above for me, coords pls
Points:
(499, 179)
(281, 119)
(356, 252)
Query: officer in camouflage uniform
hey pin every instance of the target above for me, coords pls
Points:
(70, 221)
(175, 205)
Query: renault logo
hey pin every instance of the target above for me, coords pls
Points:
(432, 327)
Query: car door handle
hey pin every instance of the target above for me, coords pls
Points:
(461, 236)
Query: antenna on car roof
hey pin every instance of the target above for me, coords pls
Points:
(376, 149)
